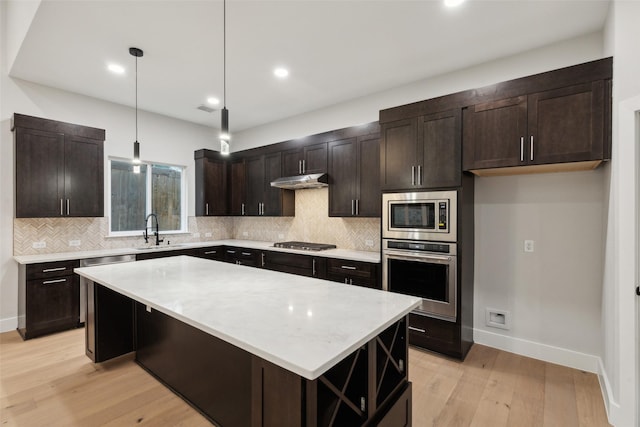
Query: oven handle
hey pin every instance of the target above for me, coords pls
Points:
(418, 258)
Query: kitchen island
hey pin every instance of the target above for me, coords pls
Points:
(249, 347)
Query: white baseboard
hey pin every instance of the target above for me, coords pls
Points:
(536, 350)
(8, 324)
(610, 405)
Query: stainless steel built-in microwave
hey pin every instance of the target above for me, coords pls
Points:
(420, 215)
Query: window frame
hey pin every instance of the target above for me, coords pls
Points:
(148, 201)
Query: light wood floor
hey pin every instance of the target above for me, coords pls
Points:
(50, 382)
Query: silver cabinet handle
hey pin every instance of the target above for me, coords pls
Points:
(242, 212)
(229, 251)
(210, 252)
(411, 328)
(313, 268)
(262, 259)
(346, 280)
(206, 206)
(413, 175)
(353, 209)
(348, 267)
(299, 167)
(50, 282)
(304, 166)
(246, 253)
(49, 270)
(61, 212)
(419, 180)
(357, 206)
(67, 207)
(522, 148)
(531, 148)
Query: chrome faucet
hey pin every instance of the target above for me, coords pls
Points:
(146, 227)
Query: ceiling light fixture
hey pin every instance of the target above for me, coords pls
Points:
(224, 113)
(134, 51)
(281, 72)
(213, 101)
(115, 68)
(453, 3)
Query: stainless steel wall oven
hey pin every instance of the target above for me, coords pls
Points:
(424, 269)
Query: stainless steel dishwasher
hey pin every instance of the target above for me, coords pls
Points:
(90, 262)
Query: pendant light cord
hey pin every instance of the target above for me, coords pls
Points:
(136, 99)
(224, 52)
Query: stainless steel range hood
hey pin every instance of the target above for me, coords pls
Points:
(316, 180)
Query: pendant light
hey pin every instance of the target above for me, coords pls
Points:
(134, 51)
(224, 125)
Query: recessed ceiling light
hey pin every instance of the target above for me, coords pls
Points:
(453, 3)
(281, 72)
(115, 68)
(213, 101)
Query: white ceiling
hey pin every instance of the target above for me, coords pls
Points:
(335, 50)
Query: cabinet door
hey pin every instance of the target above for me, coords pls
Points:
(272, 196)
(440, 150)
(315, 159)
(255, 185)
(302, 265)
(566, 125)
(83, 177)
(52, 304)
(368, 187)
(211, 187)
(494, 134)
(39, 173)
(398, 147)
(237, 188)
(342, 177)
(292, 162)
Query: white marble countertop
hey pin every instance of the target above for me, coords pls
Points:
(302, 324)
(64, 256)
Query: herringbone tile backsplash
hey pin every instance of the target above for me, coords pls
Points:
(310, 224)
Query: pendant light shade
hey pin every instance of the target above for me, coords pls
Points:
(134, 51)
(224, 114)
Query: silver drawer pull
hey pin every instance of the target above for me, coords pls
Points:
(49, 270)
(246, 254)
(411, 328)
(230, 251)
(348, 267)
(210, 252)
(50, 282)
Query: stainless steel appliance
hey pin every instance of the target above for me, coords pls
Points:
(305, 246)
(90, 262)
(424, 269)
(423, 215)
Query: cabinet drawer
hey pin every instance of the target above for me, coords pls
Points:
(242, 256)
(352, 269)
(51, 269)
(216, 253)
(434, 334)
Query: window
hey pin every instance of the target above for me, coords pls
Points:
(157, 188)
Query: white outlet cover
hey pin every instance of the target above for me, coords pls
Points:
(74, 242)
(39, 245)
(245, 233)
(496, 318)
(528, 245)
(368, 242)
(207, 234)
(196, 235)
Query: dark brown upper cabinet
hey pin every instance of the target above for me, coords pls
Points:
(354, 177)
(422, 152)
(305, 160)
(260, 199)
(211, 183)
(59, 169)
(556, 126)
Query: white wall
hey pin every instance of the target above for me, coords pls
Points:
(620, 374)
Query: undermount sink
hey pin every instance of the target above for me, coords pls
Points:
(153, 248)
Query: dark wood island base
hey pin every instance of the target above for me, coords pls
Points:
(232, 387)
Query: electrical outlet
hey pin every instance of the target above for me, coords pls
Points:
(245, 234)
(497, 318)
(196, 235)
(74, 242)
(207, 234)
(280, 236)
(528, 245)
(368, 243)
(39, 245)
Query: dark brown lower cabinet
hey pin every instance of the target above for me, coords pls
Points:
(302, 265)
(357, 273)
(48, 298)
(438, 335)
(242, 256)
(232, 387)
